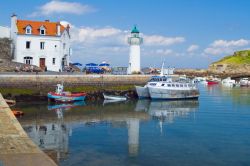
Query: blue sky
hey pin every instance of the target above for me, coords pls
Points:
(183, 33)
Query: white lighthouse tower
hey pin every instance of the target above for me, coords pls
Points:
(134, 41)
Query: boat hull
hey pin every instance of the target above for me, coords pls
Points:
(244, 83)
(212, 82)
(142, 92)
(115, 98)
(170, 94)
(52, 96)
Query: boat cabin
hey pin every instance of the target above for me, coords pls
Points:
(174, 85)
(160, 78)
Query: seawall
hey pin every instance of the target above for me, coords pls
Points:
(16, 148)
(36, 80)
(36, 86)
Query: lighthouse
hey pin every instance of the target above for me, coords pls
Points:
(134, 41)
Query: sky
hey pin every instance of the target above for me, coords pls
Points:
(182, 33)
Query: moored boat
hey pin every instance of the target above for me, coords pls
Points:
(212, 81)
(174, 91)
(17, 113)
(113, 97)
(228, 82)
(142, 91)
(244, 82)
(62, 96)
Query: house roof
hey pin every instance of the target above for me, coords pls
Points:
(51, 27)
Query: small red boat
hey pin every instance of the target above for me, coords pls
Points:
(17, 113)
(212, 82)
(61, 96)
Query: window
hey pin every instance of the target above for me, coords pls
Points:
(42, 30)
(64, 61)
(169, 85)
(27, 44)
(42, 45)
(64, 45)
(177, 85)
(185, 85)
(173, 85)
(181, 85)
(162, 84)
(28, 60)
(28, 30)
(54, 61)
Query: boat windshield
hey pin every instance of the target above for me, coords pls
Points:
(158, 79)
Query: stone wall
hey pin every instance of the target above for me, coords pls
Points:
(5, 49)
(35, 87)
(70, 80)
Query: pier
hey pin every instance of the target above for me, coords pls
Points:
(16, 148)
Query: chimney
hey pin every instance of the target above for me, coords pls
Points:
(46, 20)
(13, 19)
(13, 26)
(58, 29)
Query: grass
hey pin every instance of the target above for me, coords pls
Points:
(237, 60)
(97, 88)
(18, 91)
(44, 91)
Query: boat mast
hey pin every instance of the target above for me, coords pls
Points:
(162, 68)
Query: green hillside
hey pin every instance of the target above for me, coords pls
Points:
(239, 57)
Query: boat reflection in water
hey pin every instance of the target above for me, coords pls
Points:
(54, 136)
(168, 111)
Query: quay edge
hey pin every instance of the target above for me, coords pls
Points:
(16, 148)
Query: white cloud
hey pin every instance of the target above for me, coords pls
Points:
(232, 43)
(157, 40)
(164, 52)
(86, 33)
(59, 7)
(192, 48)
(219, 47)
(110, 44)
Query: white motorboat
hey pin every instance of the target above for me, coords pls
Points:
(174, 90)
(200, 80)
(113, 97)
(142, 91)
(228, 82)
(244, 82)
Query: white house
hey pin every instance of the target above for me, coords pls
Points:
(4, 32)
(42, 43)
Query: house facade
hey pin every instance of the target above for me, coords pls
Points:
(42, 43)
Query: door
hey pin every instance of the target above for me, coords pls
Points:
(42, 63)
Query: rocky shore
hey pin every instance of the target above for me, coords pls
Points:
(213, 71)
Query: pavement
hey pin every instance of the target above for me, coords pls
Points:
(16, 148)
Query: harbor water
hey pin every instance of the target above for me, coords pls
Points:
(214, 130)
